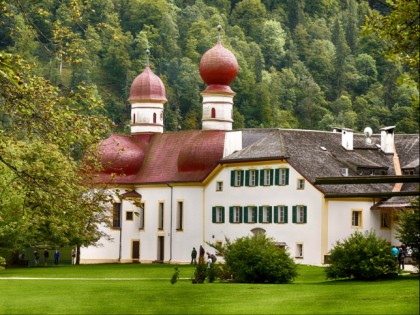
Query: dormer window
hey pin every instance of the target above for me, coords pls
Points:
(371, 171)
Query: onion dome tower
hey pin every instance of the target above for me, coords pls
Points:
(147, 96)
(218, 68)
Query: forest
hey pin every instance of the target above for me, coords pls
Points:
(305, 64)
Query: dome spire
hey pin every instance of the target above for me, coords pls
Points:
(147, 53)
(219, 29)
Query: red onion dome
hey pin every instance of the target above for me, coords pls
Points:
(120, 155)
(147, 86)
(218, 68)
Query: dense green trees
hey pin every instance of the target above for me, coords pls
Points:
(301, 56)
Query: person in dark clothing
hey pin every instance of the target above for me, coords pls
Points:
(201, 257)
(46, 256)
(194, 256)
(56, 257)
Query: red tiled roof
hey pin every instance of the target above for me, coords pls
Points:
(184, 156)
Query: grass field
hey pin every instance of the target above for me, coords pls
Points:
(146, 289)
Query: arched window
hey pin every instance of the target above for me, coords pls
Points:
(154, 118)
(213, 113)
(134, 118)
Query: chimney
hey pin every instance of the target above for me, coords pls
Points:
(347, 139)
(387, 140)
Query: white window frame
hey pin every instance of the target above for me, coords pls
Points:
(253, 178)
(385, 219)
(219, 214)
(356, 218)
(219, 186)
(161, 216)
(300, 214)
(265, 212)
(237, 214)
(267, 177)
(281, 215)
(252, 214)
(300, 184)
(282, 176)
(238, 178)
(180, 216)
(299, 250)
(142, 216)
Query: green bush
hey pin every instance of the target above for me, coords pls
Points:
(257, 259)
(200, 273)
(361, 256)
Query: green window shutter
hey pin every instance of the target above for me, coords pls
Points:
(271, 177)
(277, 177)
(286, 214)
(232, 178)
(223, 214)
(242, 177)
(294, 219)
(246, 214)
(260, 214)
(287, 176)
(240, 214)
(270, 214)
(213, 217)
(247, 178)
(276, 214)
(262, 178)
(304, 214)
(231, 214)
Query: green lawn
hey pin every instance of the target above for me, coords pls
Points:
(146, 289)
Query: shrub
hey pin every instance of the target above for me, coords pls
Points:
(361, 256)
(257, 259)
(175, 276)
(200, 273)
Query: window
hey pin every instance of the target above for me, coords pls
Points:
(179, 215)
(282, 176)
(299, 250)
(280, 214)
(235, 214)
(219, 186)
(356, 218)
(129, 215)
(141, 216)
(299, 214)
(218, 215)
(116, 215)
(385, 222)
(237, 178)
(266, 177)
(154, 118)
(213, 113)
(301, 183)
(160, 217)
(251, 178)
(134, 118)
(250, 215)
(219, 244)
(265, 214)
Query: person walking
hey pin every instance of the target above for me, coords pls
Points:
(36, 257)
(194, 256)
(73, 257)
(201, 257)
(56, 256)
(401, 257)
(46, 256)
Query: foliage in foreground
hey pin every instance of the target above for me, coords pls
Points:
(361, 256)
(257, 259)
(409, 230)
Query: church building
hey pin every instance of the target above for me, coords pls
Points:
(305, 189)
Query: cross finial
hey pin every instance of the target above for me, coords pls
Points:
(147, 53)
